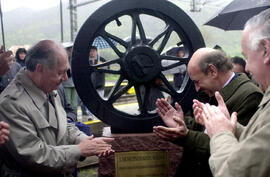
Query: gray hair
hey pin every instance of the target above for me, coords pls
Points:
(260, 28)
(216, 58)
(44, 52)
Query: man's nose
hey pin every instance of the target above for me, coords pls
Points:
(65, 77)
(197, 87)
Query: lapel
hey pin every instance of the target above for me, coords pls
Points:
(230, 89)
(52, 118)
(38, 97)
(60, 115)
(57, 115)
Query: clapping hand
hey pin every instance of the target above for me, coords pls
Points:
(4, 132)
(167, 112)
(96, 146)
(217, 118)
(174, 119)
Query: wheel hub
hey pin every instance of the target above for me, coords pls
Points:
(142, 64)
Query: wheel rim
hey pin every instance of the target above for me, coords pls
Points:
(139, 59)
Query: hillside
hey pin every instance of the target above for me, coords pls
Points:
(26, 26)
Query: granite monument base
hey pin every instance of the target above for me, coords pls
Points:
(138, 142)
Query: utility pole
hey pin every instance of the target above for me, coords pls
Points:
(73, 19)
(195, 5)
(61, 21)
(73, 16)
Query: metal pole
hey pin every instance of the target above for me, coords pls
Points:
(71, 19)
(61, 21)
(2, 26)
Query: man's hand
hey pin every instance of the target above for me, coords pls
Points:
(216, 121)
(172, 133)
(96, 146)
(5, 61)
(198, 107)
(4, 132)
(197, 111)
(167, 112)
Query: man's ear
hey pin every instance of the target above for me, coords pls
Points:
(212, 70)
(266, 51)
(39, 68)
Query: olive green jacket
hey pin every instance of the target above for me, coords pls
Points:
(41, 142)
(245, 154)
(240, 96)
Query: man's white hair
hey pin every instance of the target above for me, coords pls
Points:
(259, 26)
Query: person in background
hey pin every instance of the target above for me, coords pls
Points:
(239, 65)
(210, 70)
(98, 78)
(179, 76)
(20, 56)
(237, 150)
(41, 142)
(71, 113)
(6, 61)
(70, 91)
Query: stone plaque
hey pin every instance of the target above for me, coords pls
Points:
(142, 164)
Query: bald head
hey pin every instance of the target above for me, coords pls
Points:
(205, 56)
(45, 52)
(209, 69)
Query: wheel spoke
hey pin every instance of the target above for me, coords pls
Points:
(163, 89)
(108, 71)
(173, 65)
(146, 96)
(174, 58)
(107, 63)
(119, 93)
(165, 31)
(115, 88)
(133, 30)
(165, 40)
(109, 41)
(139, 99)
(117, 39)
(140, 28)
(167, 84)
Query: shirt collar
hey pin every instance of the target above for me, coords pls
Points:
(229, 80)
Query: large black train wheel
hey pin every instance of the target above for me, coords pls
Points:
(136, 60)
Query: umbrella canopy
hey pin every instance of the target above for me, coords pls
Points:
(100, 43)
(235, 15)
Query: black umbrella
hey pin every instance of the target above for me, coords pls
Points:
(235, 15)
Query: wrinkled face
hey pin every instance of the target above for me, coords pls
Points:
(93, 53)
(238, 68)
(52, 78)
(254, 60)
(203, 82)
(22, 55)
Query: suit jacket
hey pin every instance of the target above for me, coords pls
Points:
(245, 154)
(41, 142)
(240, 96)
